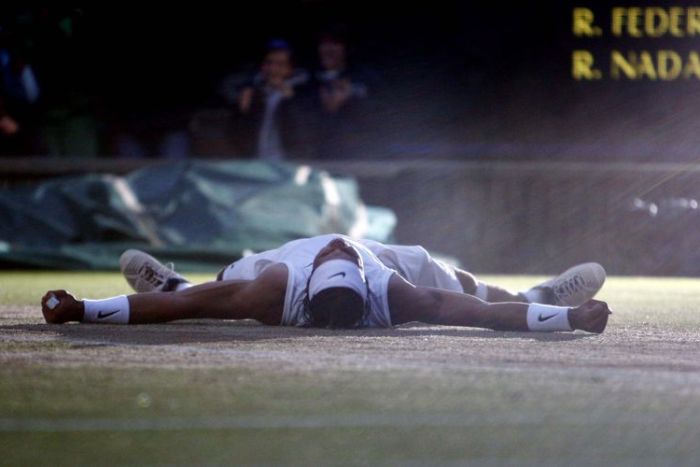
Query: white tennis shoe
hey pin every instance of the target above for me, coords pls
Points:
(575, 286)
(144, 273)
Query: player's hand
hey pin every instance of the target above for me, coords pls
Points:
(67, 308)
(245, 99)
(592, 316)
(8, 125)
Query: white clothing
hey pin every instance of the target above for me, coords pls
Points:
(380, 263)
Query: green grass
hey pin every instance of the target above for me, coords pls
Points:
(483, 414)
(628, 397)
(27, 287)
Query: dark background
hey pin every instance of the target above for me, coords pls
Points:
(453, 79)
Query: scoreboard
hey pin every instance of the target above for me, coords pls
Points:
(651, 57)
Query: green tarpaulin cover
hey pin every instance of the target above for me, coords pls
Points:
(202, 215)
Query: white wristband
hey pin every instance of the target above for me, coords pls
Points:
(113, 310)
(548, 318)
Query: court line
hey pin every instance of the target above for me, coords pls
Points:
(316, 422)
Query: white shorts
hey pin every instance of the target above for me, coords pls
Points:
(416, 265)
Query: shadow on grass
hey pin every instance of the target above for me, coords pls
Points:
(211, 331)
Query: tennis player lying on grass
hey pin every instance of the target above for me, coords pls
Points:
(332, 281)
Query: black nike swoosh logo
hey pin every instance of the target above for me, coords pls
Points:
(106, 314)
(541, 318)
(337, 274)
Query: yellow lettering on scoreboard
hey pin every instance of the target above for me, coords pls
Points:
(583, 23)
(655, 21)
(642, 26)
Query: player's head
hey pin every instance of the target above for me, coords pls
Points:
(278, 61)
(337, 290)
(332, 50)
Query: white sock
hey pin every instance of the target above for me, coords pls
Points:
(482, 291)
(534, 295)
(182, 286)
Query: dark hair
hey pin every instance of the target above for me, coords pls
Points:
(338, 33)
(336, 307)
(279, 45)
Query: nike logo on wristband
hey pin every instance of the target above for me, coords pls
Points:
(342, 274)
(106, 314)
(541, 318)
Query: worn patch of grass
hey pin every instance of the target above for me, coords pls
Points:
(594, 411)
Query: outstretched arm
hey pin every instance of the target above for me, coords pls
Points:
(261, 299)
(410, 303)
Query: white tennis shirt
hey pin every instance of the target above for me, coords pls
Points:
(381, 262)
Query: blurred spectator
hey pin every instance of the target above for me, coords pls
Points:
(19, 95)
(341, 99)
(45, 103)
(273, 107)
